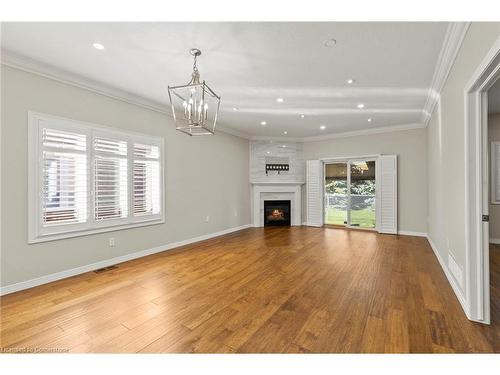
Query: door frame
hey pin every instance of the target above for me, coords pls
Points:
(477, 273)
(347, 160)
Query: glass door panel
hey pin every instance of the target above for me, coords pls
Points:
(336, 194)
(362, 194)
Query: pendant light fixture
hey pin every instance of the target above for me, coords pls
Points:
(194, 106)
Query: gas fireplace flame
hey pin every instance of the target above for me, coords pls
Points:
(277, 213)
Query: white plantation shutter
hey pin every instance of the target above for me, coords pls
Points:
(387, 205)
(84, 178)
(146, 180)
(314, 185)
(64, 177)
(110, 179)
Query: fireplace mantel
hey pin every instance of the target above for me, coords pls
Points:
(277, 182)
(267, 190)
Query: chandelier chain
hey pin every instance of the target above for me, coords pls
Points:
(195, 67)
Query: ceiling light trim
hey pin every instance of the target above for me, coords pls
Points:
(454, 37)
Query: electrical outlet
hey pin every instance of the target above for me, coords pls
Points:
(207, 219)
(235, 213)
(111, 241)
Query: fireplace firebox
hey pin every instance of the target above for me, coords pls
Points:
(277, 213)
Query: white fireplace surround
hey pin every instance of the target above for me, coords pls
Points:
(276, 191)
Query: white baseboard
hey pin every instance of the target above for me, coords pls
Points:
(109, 262)
(453, 282)
(495, 241)
(411, 233)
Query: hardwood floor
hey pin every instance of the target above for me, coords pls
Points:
(295, 290)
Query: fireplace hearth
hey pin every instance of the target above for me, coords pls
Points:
(277, 213)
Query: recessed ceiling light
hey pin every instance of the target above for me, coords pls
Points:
(280, 100)
(263, 123)
(330, 42)
(98, 46)
(283, 146)
(302, 116)
(235, 108)
(268, 152)
(361, 105)
(351, 81)
(285, 132)
(369, 120)
(322, 127)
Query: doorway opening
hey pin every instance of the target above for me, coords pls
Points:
(350, 194)
(493, 151)
(478, 187)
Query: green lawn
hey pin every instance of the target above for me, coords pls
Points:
(364, 218)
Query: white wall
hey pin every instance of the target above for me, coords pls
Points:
(446, 149)
(410, 146)
(494, 209)
(204, 176)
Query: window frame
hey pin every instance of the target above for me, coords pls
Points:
(37, 232)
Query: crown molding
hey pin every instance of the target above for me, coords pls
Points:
(20, 62)
(380, 130)
(275, 139)
(29, 65)
(354, 133)
(452, 42)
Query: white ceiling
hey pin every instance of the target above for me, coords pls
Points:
(494, 98)
(251, 64)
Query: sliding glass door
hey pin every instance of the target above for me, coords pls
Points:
(336, 194)
(350, 194)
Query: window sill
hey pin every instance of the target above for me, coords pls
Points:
(87, 232)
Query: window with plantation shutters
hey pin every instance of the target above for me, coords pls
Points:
(146, 177)
(64, 177)
(110, 179)
(85, 178)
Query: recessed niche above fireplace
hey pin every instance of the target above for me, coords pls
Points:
(277, 213)
(277, 164)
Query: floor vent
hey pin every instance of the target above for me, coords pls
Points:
(101, 270)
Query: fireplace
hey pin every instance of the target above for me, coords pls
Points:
(277, 213)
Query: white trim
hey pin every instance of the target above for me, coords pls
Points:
(412, 233)
(37, 233)
(355, 133)
(452, 42)
(476, 191)
(495, 241)
(277, 139)
(26, 64)
(109, 262)
(13, 60)
(277, 182)
(339, 159)
(29, 65)
(454, 284)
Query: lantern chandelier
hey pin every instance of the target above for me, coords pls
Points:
(194, 106)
